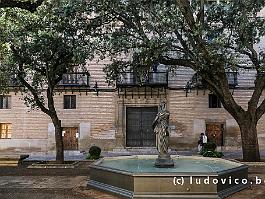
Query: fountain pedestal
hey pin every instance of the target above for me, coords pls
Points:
(164, 161)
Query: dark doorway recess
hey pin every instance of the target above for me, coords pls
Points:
(139, 132)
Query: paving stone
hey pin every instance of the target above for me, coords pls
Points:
(35, 182)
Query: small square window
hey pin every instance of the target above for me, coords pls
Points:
(214, 102)
(5, 102)
(69, 102)
(5, 131)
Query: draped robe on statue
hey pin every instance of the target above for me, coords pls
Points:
(160, 126)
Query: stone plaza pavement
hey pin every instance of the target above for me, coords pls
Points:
(24, 183)
(48, 187)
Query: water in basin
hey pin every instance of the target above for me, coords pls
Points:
(142, 165)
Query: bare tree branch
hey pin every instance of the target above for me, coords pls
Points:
(259, 87)
(185, 8)
(260, 110)
(33, 92)
(27, 85)
(254, 56)
(200, 15)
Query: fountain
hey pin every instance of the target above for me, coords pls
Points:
(149, 176)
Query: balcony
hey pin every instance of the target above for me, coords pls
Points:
(77, 79)
(152, 79)
(198, 82)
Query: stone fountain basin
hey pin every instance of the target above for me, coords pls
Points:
(191, 177)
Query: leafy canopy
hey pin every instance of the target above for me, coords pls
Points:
(210, 39)
(42, 46)
(193, 34)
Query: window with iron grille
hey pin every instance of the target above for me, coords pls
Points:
(5, 131)
(214, 102)
(5, 102)
(69, 101)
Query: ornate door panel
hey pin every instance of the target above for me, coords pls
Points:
(139, 132)
(214, 132)
(70, 138)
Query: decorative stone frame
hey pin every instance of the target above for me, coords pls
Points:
(122, 105)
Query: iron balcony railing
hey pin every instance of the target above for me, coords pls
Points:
(149, 79)
(198, 82)
(69, 79)
(75, 79)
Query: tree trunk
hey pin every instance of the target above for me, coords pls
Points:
(247, 120)
(58, 140)
(250, 146)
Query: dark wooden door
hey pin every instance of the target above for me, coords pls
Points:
(70, 138)
(214, 132)
(139, 131)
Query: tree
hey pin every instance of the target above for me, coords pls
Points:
(26, 5)
(211, 41)
(3, 76)
(44, 45)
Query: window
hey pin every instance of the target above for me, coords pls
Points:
(214, 102)
(232, 79)
(75, 79)
(4, 102)
(69, 102)
(5, 131)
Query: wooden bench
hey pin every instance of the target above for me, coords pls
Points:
(11, 160)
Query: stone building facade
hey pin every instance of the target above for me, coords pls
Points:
(120, 117)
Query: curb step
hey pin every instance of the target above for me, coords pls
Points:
(11, 160)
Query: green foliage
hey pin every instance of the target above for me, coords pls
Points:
(213, 154)
(94, 153)
(4, 77)
(209, 41)
(208, 150)
(42, 46)
(209, 146)
(25, 4)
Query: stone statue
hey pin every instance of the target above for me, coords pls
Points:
(160, 126)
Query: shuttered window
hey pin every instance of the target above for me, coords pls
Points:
(5, 131)
(69, 102)
(5, 102)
